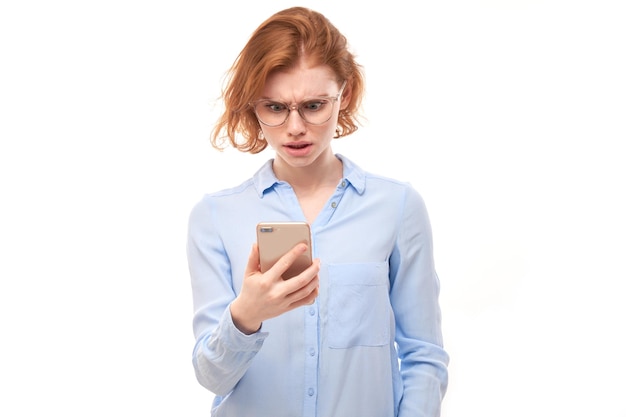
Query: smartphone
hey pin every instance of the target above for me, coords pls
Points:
(277, 238)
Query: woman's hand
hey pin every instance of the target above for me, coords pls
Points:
(267, 295)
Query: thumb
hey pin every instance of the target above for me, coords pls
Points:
(253, 261)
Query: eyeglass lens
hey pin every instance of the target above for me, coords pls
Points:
(316, 111)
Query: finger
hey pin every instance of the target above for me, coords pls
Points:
(311, 298)
(306, 295)
(297, 283)
(253, 260)
(288, 259)
(300, 285)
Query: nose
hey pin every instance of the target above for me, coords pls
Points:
(295, 123)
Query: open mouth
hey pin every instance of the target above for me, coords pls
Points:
(297, 145)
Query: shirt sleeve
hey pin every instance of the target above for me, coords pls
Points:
(222, 353)
(414, 296)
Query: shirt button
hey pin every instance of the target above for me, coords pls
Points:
(312, 352)
(343, 184)
(311, 391)
(333, 204)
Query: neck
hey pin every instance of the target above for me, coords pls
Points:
(323, 172)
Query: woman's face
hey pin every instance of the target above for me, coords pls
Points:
(296, 142)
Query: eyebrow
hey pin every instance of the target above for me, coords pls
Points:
(308, 98)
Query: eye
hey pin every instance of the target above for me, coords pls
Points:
(314, 105)
(274, 106)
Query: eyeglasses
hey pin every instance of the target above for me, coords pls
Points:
(315, 111)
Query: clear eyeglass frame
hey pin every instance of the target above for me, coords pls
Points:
(298, 107)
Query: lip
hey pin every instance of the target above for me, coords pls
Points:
(298, 148)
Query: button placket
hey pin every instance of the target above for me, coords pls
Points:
(311, 357)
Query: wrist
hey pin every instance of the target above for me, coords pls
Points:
(243, 324)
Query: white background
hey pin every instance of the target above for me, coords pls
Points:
(508, 116)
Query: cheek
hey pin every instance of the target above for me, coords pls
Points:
(329, 131)
(331, 127)
(269, 138)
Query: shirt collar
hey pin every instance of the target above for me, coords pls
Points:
(264, 178)
(353, 174)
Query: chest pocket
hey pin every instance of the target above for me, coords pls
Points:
(358, 305)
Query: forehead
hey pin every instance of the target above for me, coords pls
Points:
(300, 82)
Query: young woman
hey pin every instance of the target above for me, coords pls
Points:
(358, 333)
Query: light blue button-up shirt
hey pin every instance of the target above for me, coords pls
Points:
(371, 344)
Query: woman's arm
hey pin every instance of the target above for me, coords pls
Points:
(414, 297)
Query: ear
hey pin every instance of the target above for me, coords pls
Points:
(346, 96)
